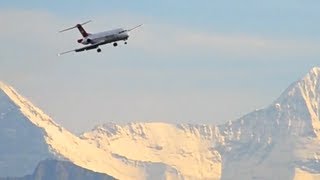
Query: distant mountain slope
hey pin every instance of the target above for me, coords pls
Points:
(61, 170)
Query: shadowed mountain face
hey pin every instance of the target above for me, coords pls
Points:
(20, 141)
(280, 141)
(61, 170)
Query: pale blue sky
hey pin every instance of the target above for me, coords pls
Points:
(273, 18)
(193, 61)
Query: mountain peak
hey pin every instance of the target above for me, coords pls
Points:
(315, 70)
(301, 102)
(311, 80)
(286, 132)
(3, 85)
(33, 113)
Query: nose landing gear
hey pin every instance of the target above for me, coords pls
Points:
(98, 50)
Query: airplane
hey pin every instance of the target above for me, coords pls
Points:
(93, 41)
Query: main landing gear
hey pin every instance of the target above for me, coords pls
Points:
(115, 44)
(98, 50)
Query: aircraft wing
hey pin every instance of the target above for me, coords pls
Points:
(85, 48)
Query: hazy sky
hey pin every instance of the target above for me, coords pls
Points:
(193, 61)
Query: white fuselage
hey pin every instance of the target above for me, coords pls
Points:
(107, 36)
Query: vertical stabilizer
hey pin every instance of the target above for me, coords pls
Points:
(82, 31)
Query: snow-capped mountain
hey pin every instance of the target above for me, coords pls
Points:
(29, 136)
(280, 141)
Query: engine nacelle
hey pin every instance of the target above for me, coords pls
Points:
(84, 41)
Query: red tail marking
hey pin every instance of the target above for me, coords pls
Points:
(82, 31)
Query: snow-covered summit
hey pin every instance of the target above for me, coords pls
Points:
(307, 87)
(34, 114)
(280, 141)
(301, 101)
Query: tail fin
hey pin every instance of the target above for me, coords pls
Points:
(82, 31)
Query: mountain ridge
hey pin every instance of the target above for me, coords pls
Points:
(152, 142)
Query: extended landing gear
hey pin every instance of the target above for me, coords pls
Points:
(98, 50)
(115, 44)
(125, 42)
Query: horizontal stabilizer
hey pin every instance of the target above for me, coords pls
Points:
(76, 26)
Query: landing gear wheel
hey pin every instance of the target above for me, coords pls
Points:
(115, 44)
(98, 50)
(125, 42)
